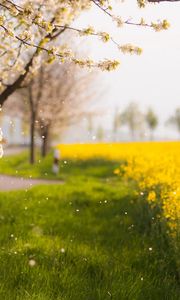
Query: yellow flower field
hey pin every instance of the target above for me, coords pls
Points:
(156, 169)
(154, 166)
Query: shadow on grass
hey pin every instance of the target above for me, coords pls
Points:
(19, 165)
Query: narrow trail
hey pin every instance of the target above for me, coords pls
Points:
(10, 183)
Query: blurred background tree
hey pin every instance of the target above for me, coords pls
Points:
(90, 127)
(175, 119)
(134, 119)
(151, 121)
(100, 133)
(116, 124)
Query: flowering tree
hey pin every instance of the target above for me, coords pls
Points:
(64, 93)
(53, 99)
(30, 28)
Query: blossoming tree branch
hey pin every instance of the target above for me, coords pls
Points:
(29, 29)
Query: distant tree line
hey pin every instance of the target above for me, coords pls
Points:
(139, 123)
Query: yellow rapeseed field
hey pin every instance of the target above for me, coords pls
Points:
(86, 151)
(154, 166)
(156, 169)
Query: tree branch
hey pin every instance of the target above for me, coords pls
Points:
(10, 89)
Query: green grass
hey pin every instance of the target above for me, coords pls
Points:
(106, 231)
(18, 165)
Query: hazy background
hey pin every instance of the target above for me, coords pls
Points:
(151, 79)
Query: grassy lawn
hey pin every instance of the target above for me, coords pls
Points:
(89, 239)
(18, 165)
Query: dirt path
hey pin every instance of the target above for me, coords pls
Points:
(10, 183)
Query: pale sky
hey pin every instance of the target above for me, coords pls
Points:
(151, 79)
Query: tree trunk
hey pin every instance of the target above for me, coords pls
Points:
(151, 135)
(32, 126)
(32, 139)
(132, 134)
(45, 142)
